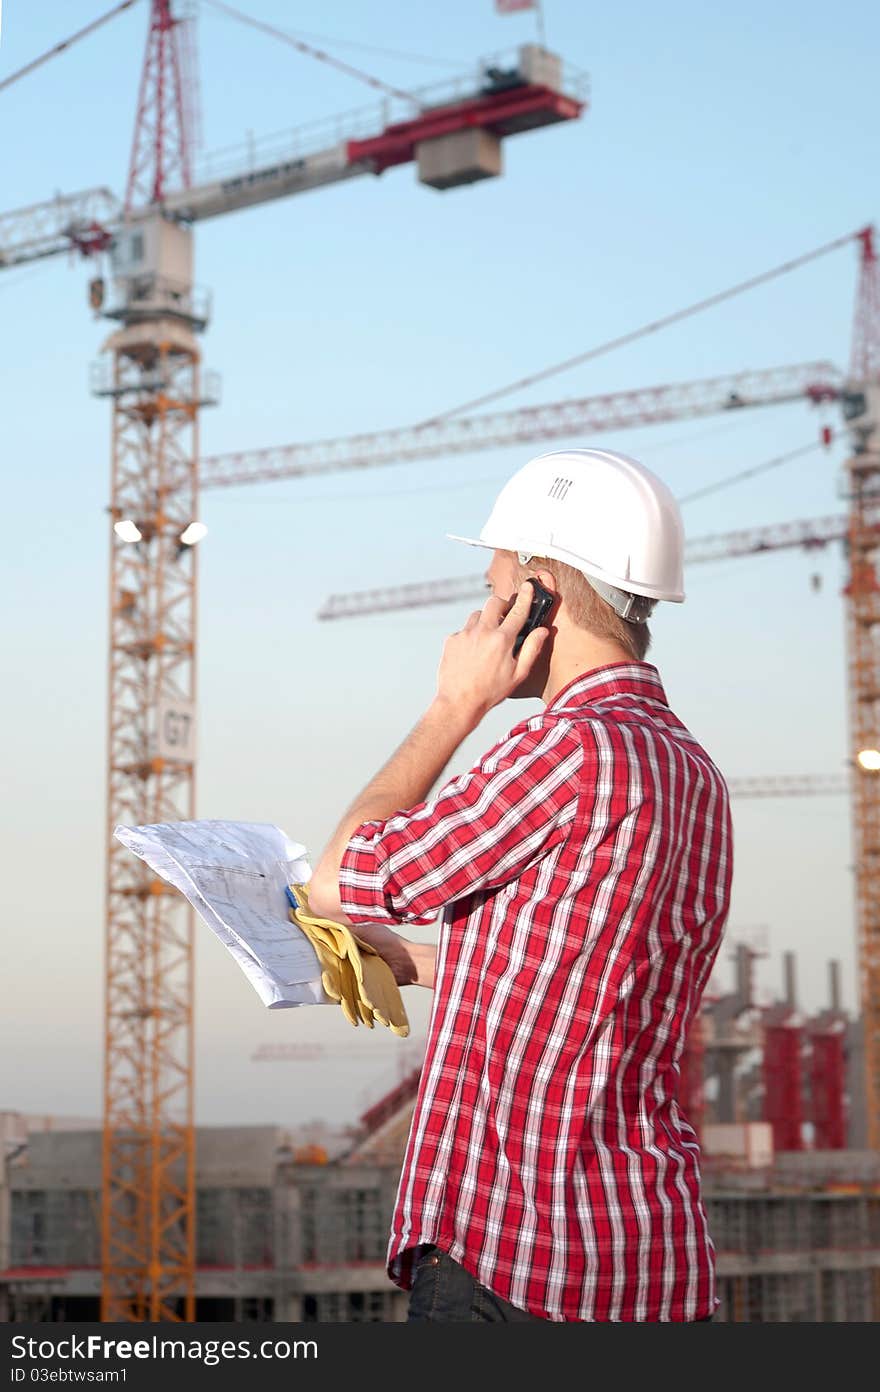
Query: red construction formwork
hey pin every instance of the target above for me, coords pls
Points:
(827, 1089)
(783, 1085)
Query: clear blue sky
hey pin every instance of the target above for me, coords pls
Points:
(718, 143)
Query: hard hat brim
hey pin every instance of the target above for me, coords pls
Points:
(470, 541)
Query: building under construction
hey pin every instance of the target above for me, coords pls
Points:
(290, 1229)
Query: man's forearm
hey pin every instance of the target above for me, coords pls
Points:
(406, 779)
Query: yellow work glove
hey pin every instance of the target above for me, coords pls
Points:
(377, 986)
(337, 978)
(376, 993)
(337, 975)
(382, 994)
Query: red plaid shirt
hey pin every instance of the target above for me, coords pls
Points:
(582, 872)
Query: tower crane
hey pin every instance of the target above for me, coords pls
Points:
(153, 377)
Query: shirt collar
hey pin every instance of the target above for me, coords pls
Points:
(618, 679)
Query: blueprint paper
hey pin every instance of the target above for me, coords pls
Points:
(235, 875)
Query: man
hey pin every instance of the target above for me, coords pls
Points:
(581, 871)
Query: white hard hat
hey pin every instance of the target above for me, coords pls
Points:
(601, 512)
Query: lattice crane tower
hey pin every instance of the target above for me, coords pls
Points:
(862, 405)
(153, 380)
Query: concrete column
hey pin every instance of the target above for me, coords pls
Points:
(726, 1071)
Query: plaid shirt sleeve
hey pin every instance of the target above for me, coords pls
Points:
(480, 831)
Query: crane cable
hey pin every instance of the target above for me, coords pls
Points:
(643, 330)
(66, 43)
(396, 53)
(730, 479)
(313, 52)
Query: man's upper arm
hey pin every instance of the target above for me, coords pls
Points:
(480, 830)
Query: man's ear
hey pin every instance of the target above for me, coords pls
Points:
(548, 580)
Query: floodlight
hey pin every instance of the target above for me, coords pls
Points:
(193, 533)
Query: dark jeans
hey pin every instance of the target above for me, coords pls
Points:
(443, 1292)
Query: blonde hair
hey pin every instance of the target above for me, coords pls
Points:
(588, 610)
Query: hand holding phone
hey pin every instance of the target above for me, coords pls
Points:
(542, 603)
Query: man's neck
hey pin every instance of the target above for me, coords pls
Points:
(579, 661)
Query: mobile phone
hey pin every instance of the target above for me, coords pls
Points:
(542, 603)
